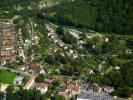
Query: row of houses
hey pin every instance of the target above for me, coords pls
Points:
(7, 42)
(68, 87)
(67, 48)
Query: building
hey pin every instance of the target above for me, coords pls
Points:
(48, 81)
(3, 87)
(69, 88)
(42, 87)
(108, 89)
(29, 83)
(7, 42)
(89, 95)
(18, 80)
(90, 71)
(35, 68)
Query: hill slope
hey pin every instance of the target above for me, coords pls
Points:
(101, 15)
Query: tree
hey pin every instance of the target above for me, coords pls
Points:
(1, 95)
(124, 92)
(62, 59)
(10, 89)
(56, 83)
(58, 97)
(50, 59)
(116, 79)
(39, 78)
(60, 30)
(25, 95)
(114, 16)
(127, 73)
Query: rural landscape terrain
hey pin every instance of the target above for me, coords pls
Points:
(66, 50)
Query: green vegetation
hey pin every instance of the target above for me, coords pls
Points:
(32, 95)
(60, 31)
(10, 89)
(107, 16)
(102, 15)
(39, 78)
(7, 77)
(26, 95)
(1, 95)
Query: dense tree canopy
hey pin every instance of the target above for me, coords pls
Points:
(100, 15)
(39, 78)
(25, 95)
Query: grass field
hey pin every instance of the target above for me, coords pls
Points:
(6, 77)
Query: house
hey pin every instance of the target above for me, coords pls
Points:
(55, 49)
(29, 83)
(105, 39)
(55, 41)
(129, 51)
(35, 40)
(99, 67)
(48, 81)
(69, 88)
(117, 67)
(18, 80)
(96, 88)
(75, 56)
(49, 34)
(71, 51)
(90, 71)
(35, 68)
(22, 68)
(65, 47)
(62, 54)
(108, 89)
(61, 44)
(3, 87)
(42, 87)
(52, 37)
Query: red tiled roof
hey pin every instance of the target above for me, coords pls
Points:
(48, 81)
(32, 78)
(73, 87)
(34, 67)
(42, 85)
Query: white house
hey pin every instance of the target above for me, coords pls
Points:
(42, 87)
(3, 87)
(18, 80)
(108, 89)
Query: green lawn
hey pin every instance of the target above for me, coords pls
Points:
(6, 77)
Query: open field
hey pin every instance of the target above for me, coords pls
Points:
(6, 76)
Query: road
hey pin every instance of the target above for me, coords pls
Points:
(17, 71)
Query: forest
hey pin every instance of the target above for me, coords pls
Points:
(107, 16)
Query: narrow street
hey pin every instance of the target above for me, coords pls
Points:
(17, 71)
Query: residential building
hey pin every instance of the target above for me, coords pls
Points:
(108, 89)
(42, 87)
(18, 80)
(69, 88)
(35, 68)
(7, 42)
(3, 87)
(29, 83)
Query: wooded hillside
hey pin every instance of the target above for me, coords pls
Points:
(101, 15)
